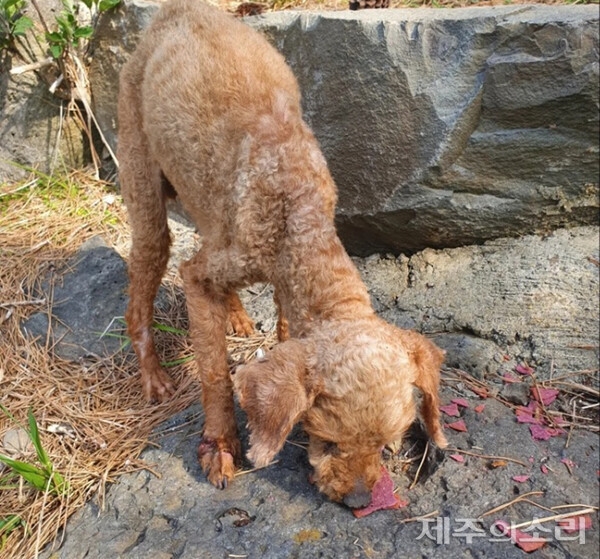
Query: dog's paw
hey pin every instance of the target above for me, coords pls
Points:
(157, 385)
(217, 461)
(240, 324)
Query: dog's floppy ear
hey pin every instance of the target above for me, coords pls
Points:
(274, 390)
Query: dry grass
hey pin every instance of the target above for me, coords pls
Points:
(42, 223)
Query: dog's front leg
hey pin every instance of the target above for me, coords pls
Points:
(207, 307)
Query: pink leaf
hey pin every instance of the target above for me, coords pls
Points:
(460, 402)
(458, 457)
(458, 426)
(521, 479)
(524, 370)
(544, 469)
(479, 408)
(527, 542)
(451, 410)
(482, 392)
(539, 433)
(544, 395)
(521, 539)
(575, 523)
(509, 378)
(382, 496)
(528, 414)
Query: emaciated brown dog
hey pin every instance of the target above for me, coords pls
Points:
(209, 112)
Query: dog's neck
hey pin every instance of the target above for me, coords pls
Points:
(316, 280)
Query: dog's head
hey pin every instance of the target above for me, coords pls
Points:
(352, 387)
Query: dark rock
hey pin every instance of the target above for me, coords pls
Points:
(86, 303)
(516, 392)
(442, 128)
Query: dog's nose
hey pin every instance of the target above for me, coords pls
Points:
(359, 497)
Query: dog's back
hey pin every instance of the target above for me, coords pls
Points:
(206, 84)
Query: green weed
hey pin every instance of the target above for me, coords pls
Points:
(44, 478)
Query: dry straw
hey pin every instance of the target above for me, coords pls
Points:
(43, 221)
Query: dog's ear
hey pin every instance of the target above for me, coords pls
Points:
(274, 390)
(428, 359)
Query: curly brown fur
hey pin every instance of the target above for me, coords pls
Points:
(208, 110)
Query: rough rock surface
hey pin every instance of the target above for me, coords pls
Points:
(441, 127)
(535, 299)
(32, 132)
(85, 304)
(275, 513)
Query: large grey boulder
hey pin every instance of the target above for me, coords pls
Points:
(441, 127)
(531, 299)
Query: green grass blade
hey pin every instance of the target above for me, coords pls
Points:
(177, 361)
(34, 435)
(32, 474)
(169, 329)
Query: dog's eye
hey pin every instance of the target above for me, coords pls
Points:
(331, 448)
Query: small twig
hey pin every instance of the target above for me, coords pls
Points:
(18, 189)
(537, 505)
(419, 518)
(31, 67)
(571, 426)
(244, 472)
(487, 456)
(577, 386)
(420, 466)
(510, 503)
(23, 303)
(553, 517)
(299, 445)
(574, 505)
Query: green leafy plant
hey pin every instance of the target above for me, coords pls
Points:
(13, 23)
(69, 31)
(44, 478)
(9, 524)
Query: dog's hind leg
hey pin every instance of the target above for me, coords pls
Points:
(143, 192)
(239, 321)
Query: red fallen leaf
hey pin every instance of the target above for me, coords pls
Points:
(521, 479)
(529, 413)
(460, 402)
(509, 378)
(540, 433)
(479, 408)
(451, 410)
(458, 425)
(521, 539)
(575, 523)
(524, 370)
(382, 496)
(482, 392)
(458, 457)
(544, 395)
(544, 469)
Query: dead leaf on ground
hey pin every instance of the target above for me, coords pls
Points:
(451, 410)
(459, 425)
